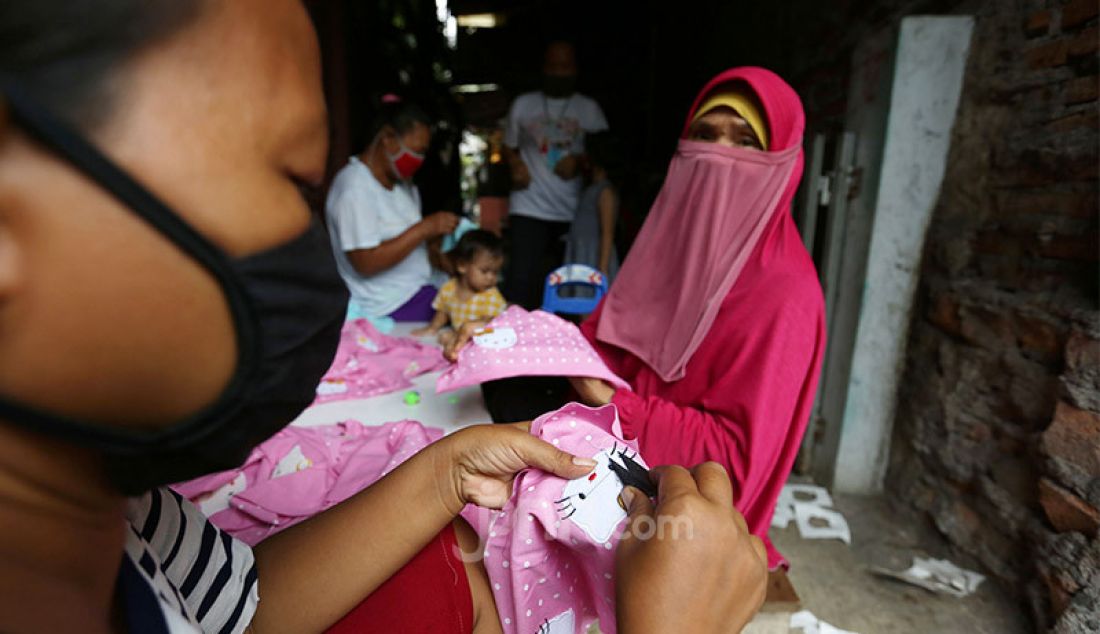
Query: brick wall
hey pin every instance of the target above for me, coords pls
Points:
(997, 437)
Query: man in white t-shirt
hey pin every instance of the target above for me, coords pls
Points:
(379, 238)
(544, 140)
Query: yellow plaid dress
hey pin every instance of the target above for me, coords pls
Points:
(484, 305)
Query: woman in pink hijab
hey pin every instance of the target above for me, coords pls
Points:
(717, 319)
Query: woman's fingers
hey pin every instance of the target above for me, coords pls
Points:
(542, 455)
(708, 479)
(757, 546)
(636, 503)
(713, 482)
(714, 485)
(523, 426)
(673, 481)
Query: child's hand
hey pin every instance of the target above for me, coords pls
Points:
(462, 337)
(423, 332)
(446, 338)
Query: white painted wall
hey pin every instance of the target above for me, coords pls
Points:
(866, 117)
(930, 61)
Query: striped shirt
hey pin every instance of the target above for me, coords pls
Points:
(204, 579)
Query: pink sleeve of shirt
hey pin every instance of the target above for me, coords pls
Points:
(674, 434)
(745, 419)
(747, 396)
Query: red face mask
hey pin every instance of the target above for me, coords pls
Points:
(406, 162)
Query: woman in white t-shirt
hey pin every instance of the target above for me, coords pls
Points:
(379, 237)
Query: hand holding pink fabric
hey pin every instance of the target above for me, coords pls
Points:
(550, 552)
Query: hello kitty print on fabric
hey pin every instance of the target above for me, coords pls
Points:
(521, 343)
(301, 471)
(369, 363)
(550, 552)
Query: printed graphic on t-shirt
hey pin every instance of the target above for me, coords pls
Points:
(555, 138)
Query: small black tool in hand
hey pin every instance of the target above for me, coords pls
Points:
(633, 474)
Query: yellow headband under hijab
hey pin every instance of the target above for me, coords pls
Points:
(743, 105)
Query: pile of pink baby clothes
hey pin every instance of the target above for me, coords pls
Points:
(301, 471)
(550, 551)
(521, 343)
(369, 363)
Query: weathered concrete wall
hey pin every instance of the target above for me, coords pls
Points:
(998, 426)
(997, 434)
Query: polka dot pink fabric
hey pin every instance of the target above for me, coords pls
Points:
(521, 343)
(550, 551)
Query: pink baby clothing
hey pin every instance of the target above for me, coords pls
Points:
(550, 551)
(521, 343)
(302, 471)
(369, 363)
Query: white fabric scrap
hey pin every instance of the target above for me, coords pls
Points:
(793, 494)
(810, 624)
(937, 575)
(784, 515)
(804, 503)
(836, 527)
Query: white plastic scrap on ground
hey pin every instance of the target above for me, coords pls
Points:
(937, 575)
(810, 624)
(808, 506)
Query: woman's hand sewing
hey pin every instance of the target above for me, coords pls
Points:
(688, 563)
(316, 571)
(477, 464)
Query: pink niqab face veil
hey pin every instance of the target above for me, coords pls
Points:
(712, 212)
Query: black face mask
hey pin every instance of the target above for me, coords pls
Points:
(559, 85)
(287, 305)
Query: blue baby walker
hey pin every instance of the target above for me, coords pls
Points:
(573, 276)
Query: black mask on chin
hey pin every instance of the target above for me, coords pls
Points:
(559, 85)
(287, 306)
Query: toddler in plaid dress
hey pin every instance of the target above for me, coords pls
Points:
(472, 294)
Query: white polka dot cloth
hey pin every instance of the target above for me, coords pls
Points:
(550, 551)
(521, 343)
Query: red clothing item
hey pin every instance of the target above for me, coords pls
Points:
(748, 389)
(430, 594)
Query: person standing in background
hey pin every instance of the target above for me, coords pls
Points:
(544, 140)
(592, 236)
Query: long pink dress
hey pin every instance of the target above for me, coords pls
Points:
(743, 392)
